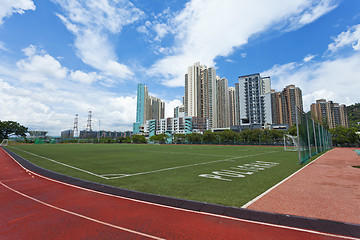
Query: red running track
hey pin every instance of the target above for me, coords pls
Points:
(36, 207)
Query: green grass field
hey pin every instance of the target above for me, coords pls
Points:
(171, 170)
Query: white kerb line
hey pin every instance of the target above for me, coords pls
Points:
(190, 165)
(66, 165)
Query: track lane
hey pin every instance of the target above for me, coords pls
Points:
(34, 207)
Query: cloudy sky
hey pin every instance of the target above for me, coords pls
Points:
(59, 58)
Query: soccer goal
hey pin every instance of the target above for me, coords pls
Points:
(4, 142)
(291, 143)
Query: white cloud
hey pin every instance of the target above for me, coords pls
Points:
(320, 8)
(161, 30)
(350, 37)
(91, 21)
(49, 95)
(9, 7)
(40, 68)
(309, 58)
(169, 107)
(205, 30)
(82, 77)
(334, 80)
(3, 47)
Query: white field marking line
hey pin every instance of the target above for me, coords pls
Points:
(190, 165)
(184, 210)
(82, 216)
(273, 187)
(66, 165)
(186, 153)
(112, 174)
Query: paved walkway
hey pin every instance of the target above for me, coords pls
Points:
(328, 188)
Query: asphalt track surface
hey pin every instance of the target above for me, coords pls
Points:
(327, 188)
(36, 207)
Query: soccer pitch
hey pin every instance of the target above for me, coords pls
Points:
(226, 175)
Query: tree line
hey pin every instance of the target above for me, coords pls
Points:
(341, 136)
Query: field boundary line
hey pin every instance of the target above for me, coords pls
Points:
(276, 185)
(80, 215)
(189, 165)
(186, 153)
(66, 165)
(185, 210)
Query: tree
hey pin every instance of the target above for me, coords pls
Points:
(194, 137)
(292, 130)
(276, 135)
(139, 139)
(161, 138)
(179, 138)
(209, 137)
(227, 136)
(342, 136)
(124, 139)
(11, 128)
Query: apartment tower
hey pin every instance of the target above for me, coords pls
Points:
(222, 103)
(200, 93)
(254, 99)
(327, 112)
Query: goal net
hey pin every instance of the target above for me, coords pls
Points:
(4, 142)
(291, 143)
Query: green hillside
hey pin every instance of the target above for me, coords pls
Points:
(353, 114)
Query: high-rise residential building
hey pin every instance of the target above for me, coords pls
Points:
(222, 102)
(148, 107)
(200, 92)
(330, 113)
(155, 108)
(254, 99)
(291, 97)
(276, 105)
(179, 111)
(142, 98)
(232, 106)
(237, 104)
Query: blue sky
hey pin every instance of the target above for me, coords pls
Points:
(59, 58)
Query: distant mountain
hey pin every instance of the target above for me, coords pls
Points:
(353, 112)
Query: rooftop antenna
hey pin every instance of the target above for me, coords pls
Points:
(88, 126)
(76, 126)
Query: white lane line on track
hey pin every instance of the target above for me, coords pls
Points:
(82, 216)
(66, 165)
(186, 210)
(190, 165)
(278, 184)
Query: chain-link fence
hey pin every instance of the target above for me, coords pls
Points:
(313, 138)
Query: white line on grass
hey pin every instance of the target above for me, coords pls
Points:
(187, 153)
(185, 210)
(189, 165)
(66, 165)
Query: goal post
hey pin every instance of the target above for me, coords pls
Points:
(291, 143)
(4, 142)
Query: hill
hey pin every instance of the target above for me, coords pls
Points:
(353, 112)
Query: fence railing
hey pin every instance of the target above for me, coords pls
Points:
(313, 138)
